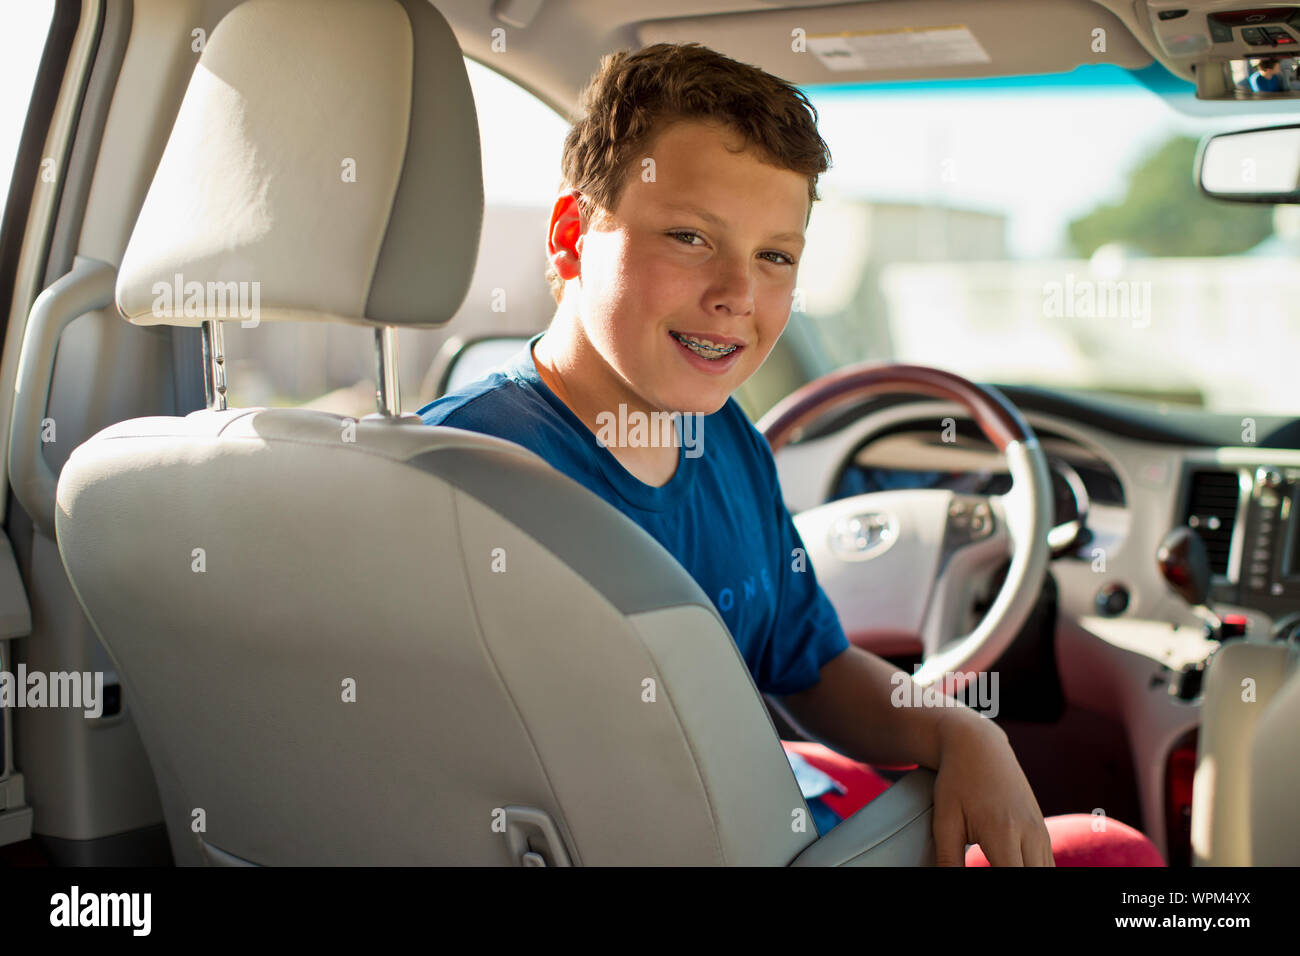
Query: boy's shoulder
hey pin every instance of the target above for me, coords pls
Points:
(494, 390)
(502, 403)
(470, 401)
(495, 404)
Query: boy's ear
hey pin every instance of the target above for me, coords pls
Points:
(564, 241)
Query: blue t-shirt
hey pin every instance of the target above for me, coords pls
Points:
(1266, 84)
(721, 515)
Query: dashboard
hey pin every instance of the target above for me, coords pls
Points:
(1126, 472)
(1123, 643)
(888, 460)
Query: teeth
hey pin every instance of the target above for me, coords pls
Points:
(705, 347)
(708, 343)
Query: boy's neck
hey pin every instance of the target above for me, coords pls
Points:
(571, 368)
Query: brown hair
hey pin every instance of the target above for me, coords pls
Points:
(633, 93)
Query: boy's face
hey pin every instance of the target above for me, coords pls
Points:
(708, 248)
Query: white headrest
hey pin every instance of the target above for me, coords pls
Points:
(324, 165)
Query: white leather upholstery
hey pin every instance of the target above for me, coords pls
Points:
(285, 169)
(1237, 767)
(1275, 778)
(327, 560)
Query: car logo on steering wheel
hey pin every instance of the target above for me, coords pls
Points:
(864, 535)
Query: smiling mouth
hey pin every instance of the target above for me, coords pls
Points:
(703, 348)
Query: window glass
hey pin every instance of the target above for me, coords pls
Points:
(22, 41)
(1049, 231)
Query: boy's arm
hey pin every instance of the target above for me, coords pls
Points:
(980, 794)
(851, 710)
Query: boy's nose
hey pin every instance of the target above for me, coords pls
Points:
(734, 287)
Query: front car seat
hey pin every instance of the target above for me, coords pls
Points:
(377, 642)
(1247, 771)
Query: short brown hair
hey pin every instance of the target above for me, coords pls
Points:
(633, 93)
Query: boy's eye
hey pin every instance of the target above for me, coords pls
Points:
(684, 233)
(781, 257)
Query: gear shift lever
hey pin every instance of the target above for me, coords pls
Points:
(1185, 564)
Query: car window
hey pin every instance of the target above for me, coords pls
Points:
(331, 366)
(1049, 231)
(22, 41)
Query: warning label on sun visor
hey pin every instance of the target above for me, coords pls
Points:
(897, 49)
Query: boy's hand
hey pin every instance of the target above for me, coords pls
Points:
(981, 796)
(980, 793)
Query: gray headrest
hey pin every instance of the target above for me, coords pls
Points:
(324, 165)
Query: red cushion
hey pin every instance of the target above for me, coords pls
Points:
(1074, 840)
(1076, 843)
(861, 783)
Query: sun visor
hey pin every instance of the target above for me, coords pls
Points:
(891, 41)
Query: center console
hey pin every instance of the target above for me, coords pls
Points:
(1247, 518)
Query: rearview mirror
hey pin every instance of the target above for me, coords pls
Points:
(1253, 165)
(1251, 78)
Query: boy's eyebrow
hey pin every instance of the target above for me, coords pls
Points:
(717, 220)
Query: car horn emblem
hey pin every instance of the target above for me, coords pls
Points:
(862, 536)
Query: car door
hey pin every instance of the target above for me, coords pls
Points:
(76, 776)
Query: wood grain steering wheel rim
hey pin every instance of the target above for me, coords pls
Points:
(996, 417)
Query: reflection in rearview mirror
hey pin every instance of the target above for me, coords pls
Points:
(1268, 74)
(1251, 78)
(1254, 165)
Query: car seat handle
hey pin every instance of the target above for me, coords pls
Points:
(87, 287)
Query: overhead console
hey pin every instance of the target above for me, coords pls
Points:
(1235, 50)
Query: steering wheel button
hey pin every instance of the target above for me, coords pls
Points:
(863, 535)
(1112, 600)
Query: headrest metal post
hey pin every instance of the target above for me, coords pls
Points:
(214, 365)
(387, 393)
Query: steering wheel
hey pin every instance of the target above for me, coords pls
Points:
(907, 561)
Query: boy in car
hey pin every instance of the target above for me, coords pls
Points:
(1267, 77)
(673, 251)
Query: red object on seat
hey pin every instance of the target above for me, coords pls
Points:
(1075, 842)
(861, 783)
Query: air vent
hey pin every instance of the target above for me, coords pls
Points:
(1212, 513)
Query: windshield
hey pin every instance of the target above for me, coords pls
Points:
(1048, 231)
